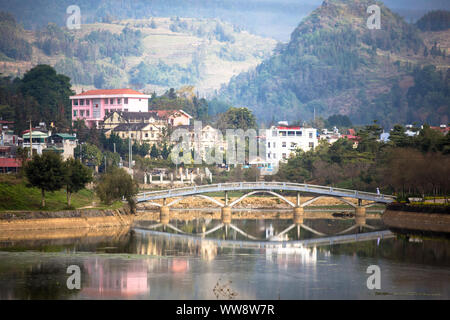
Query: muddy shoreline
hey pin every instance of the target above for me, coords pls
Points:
(417, 221)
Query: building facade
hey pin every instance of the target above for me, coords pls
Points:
(94, 105)
(282, 141)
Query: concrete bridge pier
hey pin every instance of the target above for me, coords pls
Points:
(360, 215)
(226, 215)
(298, 215)
(360, 210)
(298, 212)
(164, 213)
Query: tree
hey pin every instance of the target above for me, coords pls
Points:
(339, 121)
(46, 172)
(154, 153)
(115, 185)
(236, 118)
(51, 91)
(77, 175)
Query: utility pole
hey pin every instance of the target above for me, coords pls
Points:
(31, 141)
(130, 150)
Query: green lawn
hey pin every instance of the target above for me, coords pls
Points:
(15, 195)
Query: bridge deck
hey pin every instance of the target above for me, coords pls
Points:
(266, 186)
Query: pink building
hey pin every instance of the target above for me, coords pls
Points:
(93, 105)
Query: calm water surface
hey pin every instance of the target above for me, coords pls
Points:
(168, 262)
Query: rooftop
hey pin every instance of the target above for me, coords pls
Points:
(108, 92)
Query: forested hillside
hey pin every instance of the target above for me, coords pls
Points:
(149, 55)
(334, 64)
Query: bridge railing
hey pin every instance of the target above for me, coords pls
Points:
(261, 185)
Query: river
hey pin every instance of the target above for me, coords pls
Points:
(324, 258)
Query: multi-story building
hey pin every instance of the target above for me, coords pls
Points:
(151, 127)
(94, 105)
(283, 140)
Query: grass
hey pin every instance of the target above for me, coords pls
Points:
(15, 195)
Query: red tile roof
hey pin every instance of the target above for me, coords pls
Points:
(288, 128)
(108, 92)
(10, 163)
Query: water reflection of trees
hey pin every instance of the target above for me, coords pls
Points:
(429, 252)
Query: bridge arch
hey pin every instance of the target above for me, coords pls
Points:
(261, 191)
(220, 204)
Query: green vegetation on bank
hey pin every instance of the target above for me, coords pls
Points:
(15, 195)
(406, 165)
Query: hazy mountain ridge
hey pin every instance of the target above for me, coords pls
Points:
(147, 54)
(335, 64)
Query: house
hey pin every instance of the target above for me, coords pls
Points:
(174, 118)
(283, 140)
(444, 129)
(209, 139)
(150, 127)
(94, 105)
(8, 165)
(62, 143)
(331, 136)
(7, 136)
(38, 139)
(138, 132)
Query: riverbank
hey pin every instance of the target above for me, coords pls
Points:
(68, 219)
(422, 222)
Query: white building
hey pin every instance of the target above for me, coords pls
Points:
(284, 140)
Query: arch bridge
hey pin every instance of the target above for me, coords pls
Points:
(272, 188)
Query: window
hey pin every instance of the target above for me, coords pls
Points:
(87, 102)
(75, 102)
(291, 133)
(310, 135)
(126, 110)
(311, 144)
(274, 144)
(111, 101)
(82, 113)
(274, 155)
(146, 135)
(74, 113)
(82, 102)
(87, 113)
(125, 100)
(106, 101)
(268, 145)
(268, 155)
(274, 133)
(284, 155)
(123, 135)
(283, 144)
(283, 133)
(298, 133)
(119, 101)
